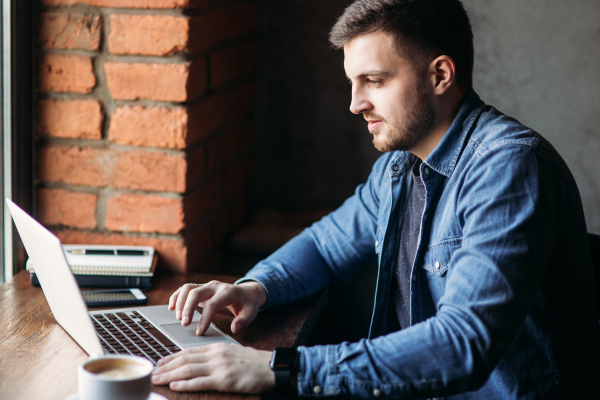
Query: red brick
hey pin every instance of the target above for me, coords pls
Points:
(149, 127)
(75, 165)
(62, 207)
(222, 24)
(179, 127)
(218, 111)
(100, 167)
(238, 178)
(129, 3)
(141, 213)
(66, 73)
(67, 30)
(151, 171)
(207, 116)
(77, 119)
(154, 35)
(232, 63)
(203, 201)
(166, 82)
(172, 252)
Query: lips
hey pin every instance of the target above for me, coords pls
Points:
(374, 124)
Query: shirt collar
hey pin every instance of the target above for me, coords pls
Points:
(444, 157)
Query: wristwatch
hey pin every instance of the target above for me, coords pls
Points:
(284, 364)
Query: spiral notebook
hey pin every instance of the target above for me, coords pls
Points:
(107, 265)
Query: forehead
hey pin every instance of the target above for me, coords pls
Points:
(372, 52)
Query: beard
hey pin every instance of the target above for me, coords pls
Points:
(406, 132)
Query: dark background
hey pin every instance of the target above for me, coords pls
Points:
(311, 151)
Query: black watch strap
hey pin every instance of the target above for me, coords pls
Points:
(283, 383)
(284, 363)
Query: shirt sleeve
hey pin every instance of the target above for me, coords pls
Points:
(331, 250)
(506, 208)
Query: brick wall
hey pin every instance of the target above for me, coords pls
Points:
(144, 122)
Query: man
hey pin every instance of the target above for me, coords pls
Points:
(485, 287)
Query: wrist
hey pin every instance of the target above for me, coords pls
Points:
(256, 291)
(284, 364)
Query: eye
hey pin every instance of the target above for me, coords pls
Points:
(374, 82)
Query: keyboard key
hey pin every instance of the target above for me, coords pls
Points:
(173, 348)
(160, 337)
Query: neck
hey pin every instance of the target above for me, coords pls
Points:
(446, 109)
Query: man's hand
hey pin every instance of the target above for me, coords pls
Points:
(243, 301)
(221, 367)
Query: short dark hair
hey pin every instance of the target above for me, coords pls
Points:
(422, 29)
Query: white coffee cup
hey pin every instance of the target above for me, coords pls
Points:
(115, 377)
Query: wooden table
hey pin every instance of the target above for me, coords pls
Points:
(38, 359)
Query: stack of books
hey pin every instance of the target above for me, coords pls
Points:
(108, 266)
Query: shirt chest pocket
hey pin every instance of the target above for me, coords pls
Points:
(437, 262)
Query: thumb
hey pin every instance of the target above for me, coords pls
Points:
(242, 321)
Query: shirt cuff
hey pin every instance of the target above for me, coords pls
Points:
(316, 372)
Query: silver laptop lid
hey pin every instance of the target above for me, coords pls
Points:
(57, 281)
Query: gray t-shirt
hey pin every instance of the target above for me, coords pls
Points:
(409, 238)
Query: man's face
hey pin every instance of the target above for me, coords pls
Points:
(388, 92)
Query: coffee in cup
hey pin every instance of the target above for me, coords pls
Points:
(115, 377)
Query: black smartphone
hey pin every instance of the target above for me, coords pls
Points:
(114, 298)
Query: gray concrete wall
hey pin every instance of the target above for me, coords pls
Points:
(536, 60)
(539, 61)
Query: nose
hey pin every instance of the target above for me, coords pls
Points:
(359, 103)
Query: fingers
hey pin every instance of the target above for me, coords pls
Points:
(184, 353)
(203, 383)
(181, 299)
(173, 299)
(219, 366)
(224, 296)
(188, 370)
(214, 296)
(195, 297)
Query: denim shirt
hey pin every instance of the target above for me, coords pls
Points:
(502, 297)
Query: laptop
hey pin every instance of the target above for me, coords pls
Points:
(151, 332)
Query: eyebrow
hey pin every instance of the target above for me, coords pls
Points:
(385, 74)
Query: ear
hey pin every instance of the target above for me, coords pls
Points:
(443, 73)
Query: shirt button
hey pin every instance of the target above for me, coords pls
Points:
(317, 389)
(376, 392)
(414, 278)
(437, 265)
(426, 170)
(376, 243)
(395, 168)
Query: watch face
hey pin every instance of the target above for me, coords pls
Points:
(284, 359)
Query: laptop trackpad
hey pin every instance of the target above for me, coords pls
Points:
(187, 334)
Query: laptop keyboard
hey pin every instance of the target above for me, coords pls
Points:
(130, 333)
